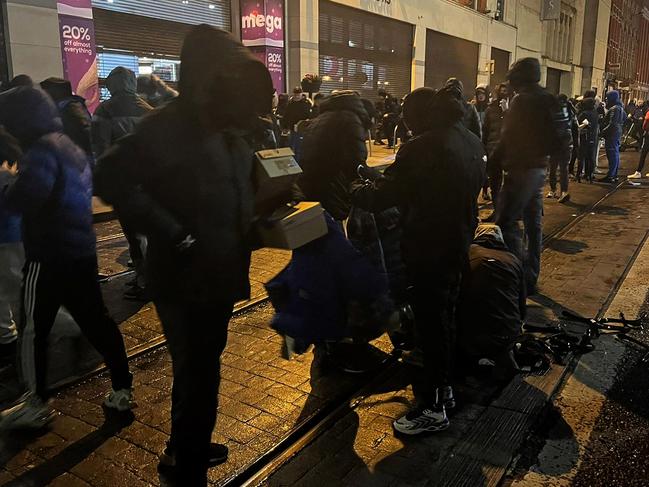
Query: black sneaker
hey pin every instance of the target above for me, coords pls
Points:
(218, 454)
(136, 293)
(422, 420)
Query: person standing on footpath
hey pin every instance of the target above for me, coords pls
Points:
(52, 190)
(561, 160)
(644, 150)
(185, 178)
(470, 118)
(491, 130)
(114, 119)
(588, 120)
(612, 133)
(534, 127)
(435, 181)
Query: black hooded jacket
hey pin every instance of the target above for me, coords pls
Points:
(435, 181)
(589, 135)
(333, 147)
(188, 169)
(117, 117)
(493, 125)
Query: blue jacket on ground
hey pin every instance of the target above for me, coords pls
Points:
(614, 119)
(53, 188)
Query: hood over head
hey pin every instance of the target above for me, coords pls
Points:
(221, 79)
(28, 113)
(58, 88)
(587, 104)
(456, 87)
(349, 101)
(121, 80)
(526, 71)
(489, 235)
(426, 109)
(613, 98)
(20, 80)
(590, 94)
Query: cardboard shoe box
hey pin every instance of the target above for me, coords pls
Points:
(275, 172)
(293, 227)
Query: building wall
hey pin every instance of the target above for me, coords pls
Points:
(33, 38)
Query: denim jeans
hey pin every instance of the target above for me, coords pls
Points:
(522, 198)
(613, 155)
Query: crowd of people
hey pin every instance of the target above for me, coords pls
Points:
(177, 168)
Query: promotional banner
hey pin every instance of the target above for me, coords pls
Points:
(77, 31)
(262, 30)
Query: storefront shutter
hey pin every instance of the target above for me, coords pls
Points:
(364, 52)
(448, 56)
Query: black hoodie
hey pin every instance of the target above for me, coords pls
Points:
(333, 147)
(187, 169)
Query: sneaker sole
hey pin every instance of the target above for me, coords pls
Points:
(419, 431)
(117, 407)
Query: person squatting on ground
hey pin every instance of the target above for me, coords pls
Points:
(114, 119)
(52, 191)
(185, 179)
(561, 159)
(588, 120)
(491, 131)
(333, 147)
(612, 133)
(435, 181)
(644, 149)
(534, 127)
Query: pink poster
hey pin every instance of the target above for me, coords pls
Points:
(262, 30)
(77, 31)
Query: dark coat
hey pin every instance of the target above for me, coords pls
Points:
(535, 126)
(492, 128)
(614, 118)
(333, 147)
(188, 169)
(588, 135)
(492, 301)
(471, 119)
(435, 181)
(118, 116)
(53, 189)
(296, 111)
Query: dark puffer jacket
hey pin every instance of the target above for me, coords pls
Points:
(493, 125)
(74, 114)
(435, 181)
(117, 116)
(187, 169)
(333, 147)
(588, 136)
(53, 189)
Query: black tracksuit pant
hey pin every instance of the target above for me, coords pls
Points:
(196, 337)
(46, 287)
(435, 291)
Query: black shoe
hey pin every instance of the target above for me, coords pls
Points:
(136, 293)
(605, 179)
(355, 358)
(218, 454)
(7, 354)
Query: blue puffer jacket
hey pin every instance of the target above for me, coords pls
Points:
(614, 120)
(53, 189)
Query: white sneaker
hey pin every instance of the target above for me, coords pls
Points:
(635, 175)
(422, 420)
(646, 175)
(565, 197)
(31, 413)
(550, 194)
(121, 400)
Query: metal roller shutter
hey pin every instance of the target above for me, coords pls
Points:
(448, 56)
(363, 51)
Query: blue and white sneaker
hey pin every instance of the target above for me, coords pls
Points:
(422, 420)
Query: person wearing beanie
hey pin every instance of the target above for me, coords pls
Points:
(612, 133)
(534, 127)
(435, 181)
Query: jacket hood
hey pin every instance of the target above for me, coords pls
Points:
(28, 113)
(121, 80)
(426, 109)
(490, 236)
(58, 88)
(348, 101)
(221, 78)
(613, 98)
(456, 87)
(525, 71)
(588, 104)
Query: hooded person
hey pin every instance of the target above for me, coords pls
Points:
(534, 127)
(470, 118)
(185, 180)
(333, 147)
(52, 192)
(588, 122)
(491, 130)
(434, 181)
(481, 101)
(73, 111)
(612, 133)
(117, 116)
(492, 298)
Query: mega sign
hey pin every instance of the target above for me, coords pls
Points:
(270, 22)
